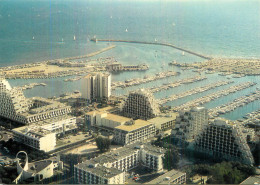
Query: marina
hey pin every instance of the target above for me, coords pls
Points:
(30, 86)
(227, 66)
(205, 99)
(176, 84)
(146, 79)
(194, 91)
(252, 118)
(231, 106)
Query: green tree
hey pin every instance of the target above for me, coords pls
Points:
(103, 144)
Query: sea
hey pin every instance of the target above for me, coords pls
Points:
(223, 28)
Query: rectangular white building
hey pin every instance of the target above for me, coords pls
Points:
(110, 167)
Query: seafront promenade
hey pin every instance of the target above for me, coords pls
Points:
(155, 43)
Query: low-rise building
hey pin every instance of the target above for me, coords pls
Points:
(104, 119)
(37, 138)
(110, 167)
(37, 170)
(87, 173)
(224, 139)
(133, 131)
(42, 136)
(171, 177)
(164, 122)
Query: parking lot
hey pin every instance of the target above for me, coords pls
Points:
(71, 138)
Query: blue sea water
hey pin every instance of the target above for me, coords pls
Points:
(224, 28)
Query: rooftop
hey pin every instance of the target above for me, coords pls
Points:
(48, 105)
(122, 152)
(136, 125)
(99, 170)
(38, 166)
(163, 118)
(33, 131)
(173, 174)
(117, 118)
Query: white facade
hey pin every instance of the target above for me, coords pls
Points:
(42, 136)
(38, 170)
(136, 130)
(96, 85)
(35, 138)
(12, 102)
(14, 106)
(190, 123)
(100, 118)
(226, 140)
(110, 167)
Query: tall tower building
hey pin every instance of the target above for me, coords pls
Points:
(96, 85)
(140, 105)
(224, 139)
(190, 123)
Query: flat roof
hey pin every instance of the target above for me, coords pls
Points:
(117, 118)
(137, 124)
(99, 170)
(173, 174)
(127, 150)
(163, 118)
(35, 132)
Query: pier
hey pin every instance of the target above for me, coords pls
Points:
(146, 79)
(155, 43)
(167, 86)
(194, 91)
(252, 118)
(239, 102)
(208, 98)
(30, 86)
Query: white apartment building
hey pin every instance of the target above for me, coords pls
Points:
(14, 106)
(42, 135)
(164, 122)
(110, 167)
(12, 102)
(87, 173)
(190, 123)
(36, 137)
(140, 105)
(224, 139)
(133, 131)
(171, 177)
(96, 85)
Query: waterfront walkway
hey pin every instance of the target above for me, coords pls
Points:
(155, 43)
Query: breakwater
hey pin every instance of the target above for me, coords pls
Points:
(155, 43)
